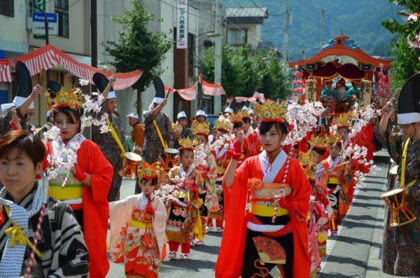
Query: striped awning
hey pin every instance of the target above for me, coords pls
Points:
(5, 71)
(47, 57)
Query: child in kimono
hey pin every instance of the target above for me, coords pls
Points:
(138, 226)
(183, 209)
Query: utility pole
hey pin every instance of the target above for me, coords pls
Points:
(322, 26)
(286, 32)
(47, 40)
(94, 34)
(218, 55)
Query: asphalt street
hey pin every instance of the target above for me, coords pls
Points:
(355, 252)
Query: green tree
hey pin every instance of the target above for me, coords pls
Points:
(407, 59)
(137, 47)
(245, 71)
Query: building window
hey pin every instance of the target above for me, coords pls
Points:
(7, 7)
(62, 10)
(237, 37)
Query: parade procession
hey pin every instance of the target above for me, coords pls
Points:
(171, 138)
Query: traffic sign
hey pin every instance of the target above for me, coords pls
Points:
(38, 26)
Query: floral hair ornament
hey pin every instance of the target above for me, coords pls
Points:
(200, 128)
(223, 124)
(318, 142)
(236, 117)
(148, 171)
(187, 144)
(333, 139)
(344, 120)
(271, 111)
(72, 99)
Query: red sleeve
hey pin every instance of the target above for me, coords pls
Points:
(235, 210)
(48, 151)
(300, 205)
(91, 159)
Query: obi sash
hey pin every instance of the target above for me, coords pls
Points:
(70, 194)
(140, 225)
(263, 200)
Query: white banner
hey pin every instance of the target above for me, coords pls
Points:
(182, 24)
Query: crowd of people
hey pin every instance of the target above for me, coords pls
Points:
(276, 178)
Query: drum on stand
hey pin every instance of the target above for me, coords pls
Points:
(399, 214)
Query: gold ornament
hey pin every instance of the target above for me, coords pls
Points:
(148, 171)
(72, 98)
(271, 111)
(236, 117)
(334, 139)
(318, 142)
(344, 120)
(200, 128)
(187, 143)
(223, 124)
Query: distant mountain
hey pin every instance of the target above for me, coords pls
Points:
(358, 19)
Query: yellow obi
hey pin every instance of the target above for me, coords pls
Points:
(263, 200)
(140, 225)
(71, 191)
(332, 180)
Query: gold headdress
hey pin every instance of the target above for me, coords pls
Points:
(148, 171)
(186, 143)
(333, 139)
(72, 98)
(318, 142)
(200, 128)
(236, 117)
(271, 111)
(307, 163)
(344, 120)
(223, 123)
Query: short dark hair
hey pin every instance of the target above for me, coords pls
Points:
(319, 150)
(23, 141)
(74, 115)
(266, 126)
(154, 181)
(246, 120)
(237, 125)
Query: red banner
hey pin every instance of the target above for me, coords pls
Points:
(187, 94)
(211, 89)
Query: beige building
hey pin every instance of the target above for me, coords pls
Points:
(180, 65)
(244, 25)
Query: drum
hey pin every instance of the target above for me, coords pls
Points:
(399, 214)
(130, 166)
(170, 160)
(393, 173)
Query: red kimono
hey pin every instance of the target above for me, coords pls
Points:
(95, 203)
(230, 259)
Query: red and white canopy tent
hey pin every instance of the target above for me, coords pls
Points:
(47, 57)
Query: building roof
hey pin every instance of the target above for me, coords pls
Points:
(247, 12)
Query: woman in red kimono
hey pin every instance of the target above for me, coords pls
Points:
(272, 239)
(87, 187)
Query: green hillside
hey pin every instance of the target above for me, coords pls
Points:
(359, 19)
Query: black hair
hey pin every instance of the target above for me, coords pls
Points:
(237, 125)
(266, 126)
(246, 120)
(74, 115)
(154, 181)
(318, 150)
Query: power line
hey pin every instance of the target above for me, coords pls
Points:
(270, 14)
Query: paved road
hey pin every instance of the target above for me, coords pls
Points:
(356, 252)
